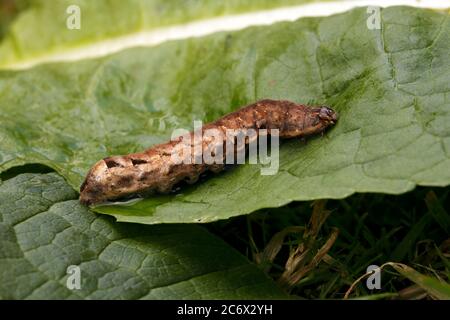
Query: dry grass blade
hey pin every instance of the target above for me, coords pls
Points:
(271, 250)
(305, 257)
(318, 218)
(413, 292)
(296, 269)
(434, 288)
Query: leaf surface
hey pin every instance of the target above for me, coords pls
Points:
(43, 231)
(391, 87)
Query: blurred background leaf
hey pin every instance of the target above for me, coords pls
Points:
(41, 30)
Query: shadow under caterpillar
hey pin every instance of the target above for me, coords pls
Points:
(155, 170)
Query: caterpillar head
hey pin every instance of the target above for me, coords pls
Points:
(320, 119)
(327, 115)
(315, 120)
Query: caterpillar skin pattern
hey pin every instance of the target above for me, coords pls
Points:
(153, 170)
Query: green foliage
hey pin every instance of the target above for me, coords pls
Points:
(392, 96)
(390, 86)
(105, 20)
(43, 231)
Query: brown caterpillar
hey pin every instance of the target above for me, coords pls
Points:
(155, 170)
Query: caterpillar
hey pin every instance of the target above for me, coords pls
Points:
(154, 170)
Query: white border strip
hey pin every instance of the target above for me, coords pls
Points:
(225, 23)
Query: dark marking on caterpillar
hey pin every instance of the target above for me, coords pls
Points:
(153, 170)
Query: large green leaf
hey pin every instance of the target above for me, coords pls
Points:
(41, 31)
(391, 87)
(43, 231)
